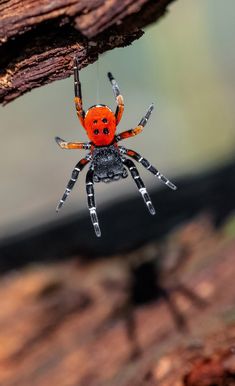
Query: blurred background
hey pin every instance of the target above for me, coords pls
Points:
(161, 288)
(184, 65)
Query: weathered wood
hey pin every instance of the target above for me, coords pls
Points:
(38, 39)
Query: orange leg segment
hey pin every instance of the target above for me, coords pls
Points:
(78, 92)
(138, 129)
(72, 145)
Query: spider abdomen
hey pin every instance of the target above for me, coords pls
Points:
(107, 164)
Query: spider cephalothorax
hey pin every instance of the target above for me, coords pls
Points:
(107, 159)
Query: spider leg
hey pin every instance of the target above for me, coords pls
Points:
(138, 129)
(72, 145)
(146, 164)
(75, 173)
(178, 317)
(118, 97)
(78, 92)
(140, 185)
(91, 201)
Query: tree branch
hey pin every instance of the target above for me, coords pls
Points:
(38, 39)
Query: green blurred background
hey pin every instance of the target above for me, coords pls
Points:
(184, 65)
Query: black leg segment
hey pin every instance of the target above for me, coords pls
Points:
(91, 202)
(75, 173)
(146, 164)
(140, 185)
(77, 84)
(146, 117)
(115, 87)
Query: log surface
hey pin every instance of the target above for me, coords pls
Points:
(38, 39)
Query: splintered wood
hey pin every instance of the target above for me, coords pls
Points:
(38, 39)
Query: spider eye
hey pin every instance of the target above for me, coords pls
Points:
(104, 120)
(96, 131)
(106, 130)
(95, 121)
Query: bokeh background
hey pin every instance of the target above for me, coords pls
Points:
(159, 289)
(184, 65)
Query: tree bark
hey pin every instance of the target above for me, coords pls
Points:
(38, 39)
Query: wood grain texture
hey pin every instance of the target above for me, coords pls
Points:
(38, 39)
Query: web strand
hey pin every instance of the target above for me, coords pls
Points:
(97, 82)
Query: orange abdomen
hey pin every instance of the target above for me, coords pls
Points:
(100, 125)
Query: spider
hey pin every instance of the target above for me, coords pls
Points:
(107, 159)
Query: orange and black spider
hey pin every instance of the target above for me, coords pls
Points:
(107, 159)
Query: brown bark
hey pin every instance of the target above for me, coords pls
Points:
(38, 39)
